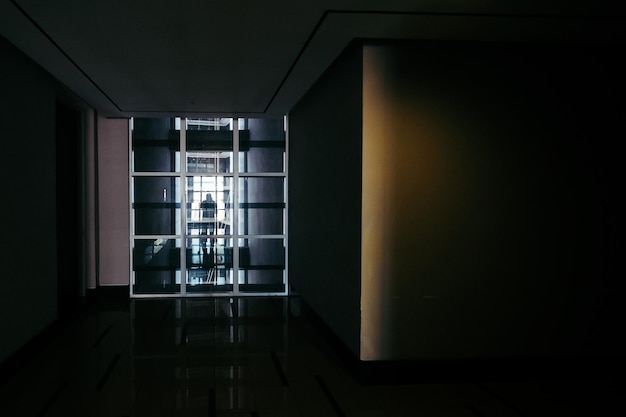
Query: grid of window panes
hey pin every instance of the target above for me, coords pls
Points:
(191, 196)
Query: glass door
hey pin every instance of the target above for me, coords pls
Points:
(209, 207)
(209, 185)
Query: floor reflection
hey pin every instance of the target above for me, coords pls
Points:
(243, 357)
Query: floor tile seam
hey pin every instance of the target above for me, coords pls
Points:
(102, 335)
(278, 367)
(502, 400)
(81, 390)
(107, 373)
(337, 408)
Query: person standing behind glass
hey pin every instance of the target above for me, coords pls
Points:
(208, 207)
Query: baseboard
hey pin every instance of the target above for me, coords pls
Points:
(468, 370)
(348, 358)
(478, 370)
(110, 297)
(120, 292)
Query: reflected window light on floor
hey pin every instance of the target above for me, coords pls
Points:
(246, 356)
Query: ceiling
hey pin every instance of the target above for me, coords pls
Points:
(251, 58)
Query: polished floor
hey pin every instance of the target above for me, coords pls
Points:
(247, 357)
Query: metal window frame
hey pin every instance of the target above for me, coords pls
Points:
(235, 236)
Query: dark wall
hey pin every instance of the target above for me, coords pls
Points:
(28, 281)
(69, 210)
(324, 197)
(500, 199)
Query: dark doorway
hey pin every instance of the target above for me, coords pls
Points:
(68, 213)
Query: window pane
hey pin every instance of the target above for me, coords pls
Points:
(209, 210)
(261, 205)
(262, 146)
(209, 265)
(209, 162)
(156, 205)
(155, 145)
(261, 265)
(209, 145)
(156, 265)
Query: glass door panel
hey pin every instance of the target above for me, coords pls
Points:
(156, 266)
(209, 248)
(209, 208)
(262, 146)
(156, 205)
(209, 265)
(155, 145)
(209, 146)
(261, 265)
(209, 155)
(261, 206)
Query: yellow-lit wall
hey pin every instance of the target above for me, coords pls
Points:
(486, 203)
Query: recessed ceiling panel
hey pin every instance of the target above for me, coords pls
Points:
(194, 57)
